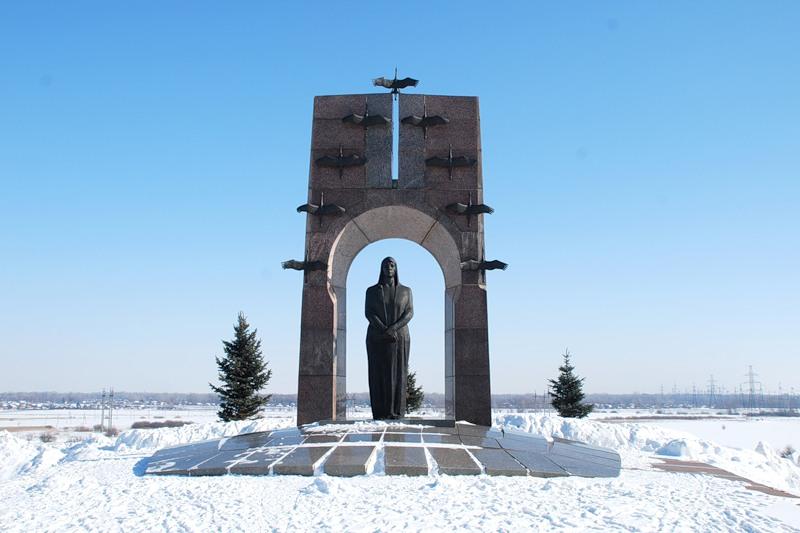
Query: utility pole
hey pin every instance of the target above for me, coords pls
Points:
(111, 410)
(102, 410)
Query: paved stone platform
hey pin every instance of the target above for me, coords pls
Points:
(693, 467)
(412, 448)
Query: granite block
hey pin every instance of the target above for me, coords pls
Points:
(315, 398)
(405, 460)
(471, 357)
(316, 439)
(300, 461)
(473, 401)
(531, 444)
(433, 438)
(246, 441)
(363, 437)
(454, 461)
(470, 314)
(479, 441)
(537, 464)
(339, 106)
(258, 463)
(582, 468)
(402, 437)
(174, 465)
(218, 465)
(329, 133)
(287, 440)
(349, 460)
(451, 430)
(497, 462)
(316, 354)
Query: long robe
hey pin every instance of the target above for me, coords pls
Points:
(385, 306)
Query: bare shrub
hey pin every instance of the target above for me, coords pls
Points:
(47, 437)
(97, 427)
(82, 429)
(112, 432)
(787, 452)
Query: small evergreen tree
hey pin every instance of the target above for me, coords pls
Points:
(243, 374)
(567, 392)
(414, 394)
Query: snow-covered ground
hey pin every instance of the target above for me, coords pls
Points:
(95, 484)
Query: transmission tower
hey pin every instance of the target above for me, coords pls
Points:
(107, 410)
(752, 398)
(711, 390)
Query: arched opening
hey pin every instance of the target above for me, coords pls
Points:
(418, 270)
(395, 222)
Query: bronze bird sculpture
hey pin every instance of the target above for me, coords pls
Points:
(450, 162)
(394, 84)
(341, 161)
(425, 122)
(366, 120)
(470, 209)
(321, 210)
(472, 264)
(305, 266)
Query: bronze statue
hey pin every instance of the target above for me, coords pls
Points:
(388, 307)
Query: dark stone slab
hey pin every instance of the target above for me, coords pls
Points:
(246, 441)
(174, 465)
(311, 439)
(402, 437)
(300, 461)
(288, 440)
(349, 461)
(454, 461)
(498, 462)
(258, 462)
(405, 460)
(583, 468)
(529, 444)
(432, 438)
(479, 441)
(537, 464)
(201, 449)
(472, 393)
(445, 430)
(472, 343)
(472, 430)
(219, 464)
(362, 437)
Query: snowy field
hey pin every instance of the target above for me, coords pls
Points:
(92, 482)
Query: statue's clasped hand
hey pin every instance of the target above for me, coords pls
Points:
(391, 334)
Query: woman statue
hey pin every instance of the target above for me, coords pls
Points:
(389, 308)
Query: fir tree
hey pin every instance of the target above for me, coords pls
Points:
(567, 392)
(243, 374)
(414, 394)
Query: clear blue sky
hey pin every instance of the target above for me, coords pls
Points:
(643, 159)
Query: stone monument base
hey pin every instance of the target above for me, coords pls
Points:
(406, 447)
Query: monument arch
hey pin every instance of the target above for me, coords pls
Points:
(353, 200)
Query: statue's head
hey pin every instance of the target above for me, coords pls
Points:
(389, 270)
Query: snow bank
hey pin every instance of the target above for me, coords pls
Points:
(153, 439)
(636, 443)
(19, 456)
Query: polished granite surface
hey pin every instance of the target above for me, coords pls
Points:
(402, 448)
